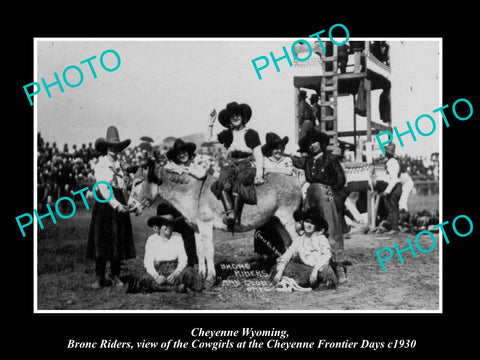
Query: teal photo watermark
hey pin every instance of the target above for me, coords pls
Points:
(265, 60)
(421, 129)
(69, 72)
(411, 248)
(50, 213)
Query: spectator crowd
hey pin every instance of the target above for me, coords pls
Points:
(63, 171)
(60, 172)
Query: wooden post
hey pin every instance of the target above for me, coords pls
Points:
(297, 122)
(354, 126)
(370, 198)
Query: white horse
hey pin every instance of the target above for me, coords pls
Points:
(279, 196)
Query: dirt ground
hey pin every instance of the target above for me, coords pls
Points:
(64, 276)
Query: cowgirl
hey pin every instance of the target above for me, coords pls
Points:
(267, 241)
(181, 157)
(307, 259)
(325, 175)
(235, 185)
(164, 250)
(274, 159)
(110, 235)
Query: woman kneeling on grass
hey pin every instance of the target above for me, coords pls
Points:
(164, 249)
(311, 255)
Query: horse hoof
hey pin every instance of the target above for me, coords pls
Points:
(208, 284)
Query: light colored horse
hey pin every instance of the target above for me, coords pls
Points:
(279, 196)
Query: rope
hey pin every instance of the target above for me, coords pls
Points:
(289, 285)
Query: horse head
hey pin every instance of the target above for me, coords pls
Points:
(145, 190)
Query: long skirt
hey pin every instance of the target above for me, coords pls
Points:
(326, 279)
(321, 197)
(139, 281)
(110, 236)
(237, 178)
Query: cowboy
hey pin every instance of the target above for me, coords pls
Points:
(391, 195)
(181, 157)
(316, 109)
(110, 236)
(235, 185)
(306, 118)
(163, 250)
(325, 175)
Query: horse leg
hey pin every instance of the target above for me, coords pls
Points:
(206, 233)
(282, 233)
(285, 216)
(202, 271)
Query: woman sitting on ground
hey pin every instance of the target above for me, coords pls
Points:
(307, 260)
(164, 252)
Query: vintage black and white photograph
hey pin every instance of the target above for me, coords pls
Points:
(237, 174)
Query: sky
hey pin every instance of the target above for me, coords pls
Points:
(168, 87)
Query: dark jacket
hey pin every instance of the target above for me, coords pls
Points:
(326, 170)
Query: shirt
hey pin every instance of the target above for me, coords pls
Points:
(312, 250)
(324, 169)
(159, 248)
(248, 143)
(285, 163)
(393, 170)
(193, 169)
(239, 143)
(111, 172)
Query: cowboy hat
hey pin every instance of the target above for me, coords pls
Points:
(234, 108)
(302, 94)
(160, 220)
(312, 137)
(389, 148)
(111, 140)
(314, 216)
(178, 146)
(272, 142)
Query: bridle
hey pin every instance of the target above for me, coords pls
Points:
(142, 204)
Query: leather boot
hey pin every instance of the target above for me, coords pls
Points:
(229, 219)
(98, 283)
(237, 208)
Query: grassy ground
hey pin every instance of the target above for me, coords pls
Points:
(64, 276)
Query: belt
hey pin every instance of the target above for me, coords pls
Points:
(240, 155)
(328, 188)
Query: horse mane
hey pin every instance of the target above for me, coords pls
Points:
(169, 177)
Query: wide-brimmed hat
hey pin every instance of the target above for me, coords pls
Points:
(234, 108)
(315, 217)
(272, 142)
(389, 148)
(312, 137)
(178, 146)
(166, 219)
(111, 140)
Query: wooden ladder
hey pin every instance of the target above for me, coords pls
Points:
(329, 94)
